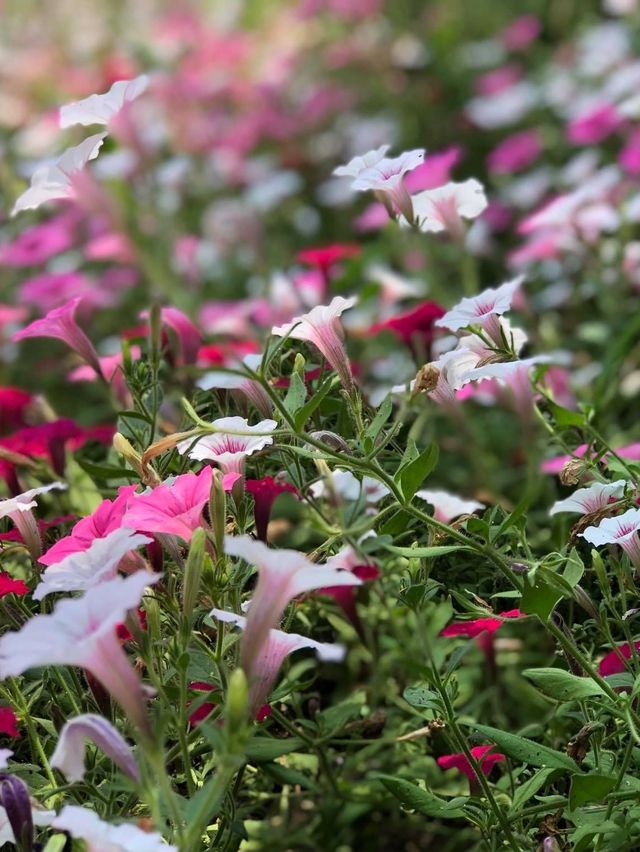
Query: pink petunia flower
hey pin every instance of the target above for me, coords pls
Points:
(591, 499)
(613, 662)
(621, 530)
(594, 126)
(282, 576)
(174, 507)
(434, 171)
(322, 327)
(18, 509)
(183, 336)
(9, 722)
(69, 753)
(40, 243)
(230, 444)
(448, 506)
(515, 153)
(519, 34)
(483, 310)
(61, 324)
(478, 626)
(82, 632)
(271, 653)
(481, 754)
(444, 208)
(241, 385)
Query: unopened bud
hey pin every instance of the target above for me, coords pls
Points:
(572, 471)
(218, 511)
(193, 572)
(331, 439)
(585, 601)
(299, 365)
(237, 705)
(427, 378)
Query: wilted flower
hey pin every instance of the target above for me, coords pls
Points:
(622, 530)
(322, 327)
(231, 443)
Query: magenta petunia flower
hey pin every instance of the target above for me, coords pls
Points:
(414, 327)
(61, 324)
(595, 125)
(322, 327)
(481, 754)
(265, 492)
(614, 662)
(183, 336)
(477, 626)
(271, 653)
(11, 586)
(14, 406)
(39, 244)
(174, 507)
(515, 153)
(325, 258)
(9, 722)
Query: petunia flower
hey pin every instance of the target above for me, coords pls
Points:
(613, 662)
(40, 243)
(483, 310)
(321, 326)
(460, 762)
(347, 487)
(18, 815)
(414, 327)
(104, 520)
(591, 499)
(183, 335)
(84, 569)
(265, 491)
(345, 596)
(515, 375)
(282, 576)
(444, 208)
(448, 506)
(82, 632)
(14, 406)
(621, 530)
(325, 258)
(362, 162)
(69, 753)
(9, 722)
(54, 181)
(385, 179)
(174, 507)
(515, 153)
(18, 509)
(10, 586)
(99, 836)
(241, 385)
(100, 109)
(271, 653)
(230, 444)
(477, 626)
(61, 324)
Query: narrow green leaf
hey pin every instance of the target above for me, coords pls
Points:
(262, 749)
(305, 412)
(382, 415)
(424, 552)
(411, 796)
(411, 477)
(563, 686)
(528, 751)
(529, 788)
(296, 395)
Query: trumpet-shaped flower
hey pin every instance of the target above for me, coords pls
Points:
(591, 499)
(18, 509)
(106, 518)
(386, 180)
(515, 375)
(100, 836)
(271, 653)
(69, 754)
(56, 180)
(87, 568)
(265, 491)
(444, 208)
(345, 485)
(622, 530)
(282, 576)
(100, 109)
(82, 632)
(362, 162)
(448, 506)
(481, 754)
(174, 507)
(322, 327)
(483, 310)
(243, 385)
(478, 626)
(614, 662)
(61, 324)
(183, 335)
(414, 327)
(231, 443)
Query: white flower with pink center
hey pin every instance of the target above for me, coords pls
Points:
(99, 836)
(386, 179)
(240, 384)
(362, 162)
(622, 530)
(515, 375)
(100, 109)
(271, 654)
(585, 501)
(231, 442)
(448, 506)
(18, 509)
(444, 208)
(348, 487)
(56, 180)
(322, 327)
(483, 310)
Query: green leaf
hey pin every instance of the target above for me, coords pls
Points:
(589, 788)
(513, 518)
(520, 748)
(424, 552)
(286, 775)
(564, 417)
(305, 412)
(563, 686)
(539, 597)
(421, 696)
(411, 796)
(529, 788)
(382, 415)
(56, 843)
(573, 569)
(296, 395)
(412, 475)
(263, 749)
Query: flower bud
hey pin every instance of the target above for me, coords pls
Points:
(237, 704)
(193, 572)
(572, 471)
(14, 798)
(218, 511)
(427, 378)
(122, 446)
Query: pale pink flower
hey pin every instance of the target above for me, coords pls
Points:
(82, 632)
(345, 485)
(269, 657)
(444, 208)
(18, 509)
(622, 530)
(87, 568)
(386, 180)
(282, 576)
(515, 375)
(69, 753)
(174, 507)
(359, 164)
(591, 499)
(185, 334)
(54, 181)
(100, 836)
(483, 310)
(322, 327)
(448, 506)
(240, 384)
(230, 444)
(100, 109)
(503, 108)
(60, 323)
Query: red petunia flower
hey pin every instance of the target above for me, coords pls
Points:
(8, 722)
(459, 761)
(10, 586)
(265, 491)
(477, 626)
(326, 257)
(414, 327)
(612, 663)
